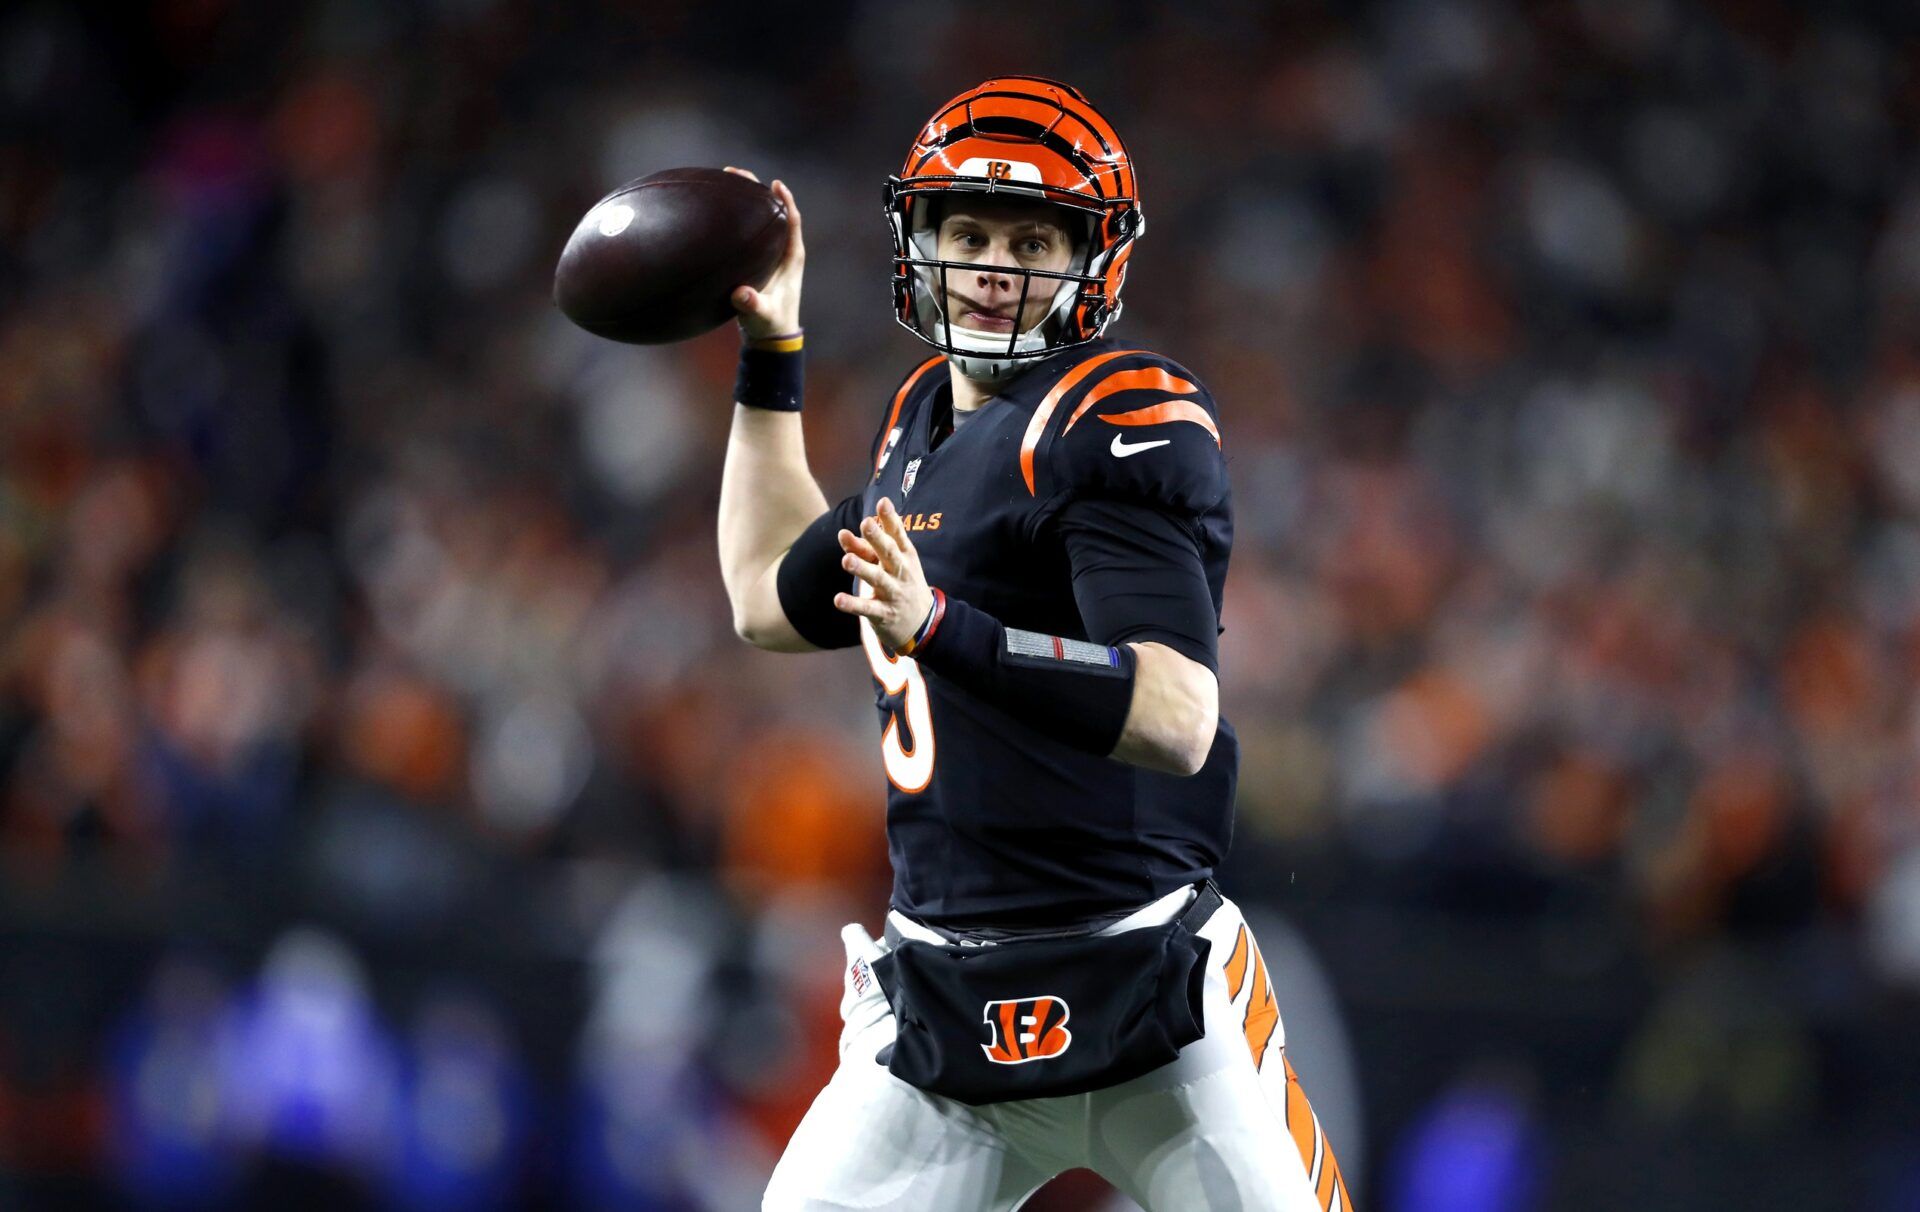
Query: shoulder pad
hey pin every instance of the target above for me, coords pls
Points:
(887, 437)
(1127, 425)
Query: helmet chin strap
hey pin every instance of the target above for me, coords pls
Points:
(986, 369)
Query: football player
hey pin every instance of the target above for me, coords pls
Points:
(1033, 569)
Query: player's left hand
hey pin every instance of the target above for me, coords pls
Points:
(883, 556)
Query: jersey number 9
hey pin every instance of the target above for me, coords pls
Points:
(909, 763)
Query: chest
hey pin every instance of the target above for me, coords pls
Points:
(971, 517)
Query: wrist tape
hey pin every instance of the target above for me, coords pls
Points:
(1074, 691)
(772, 374)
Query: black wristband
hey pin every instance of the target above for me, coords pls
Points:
(1074, 691)
(772, 374)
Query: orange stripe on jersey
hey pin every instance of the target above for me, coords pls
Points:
(1237, 964)
(1169, 410)
(899, 398)
(1037, 427)
(1130, 380)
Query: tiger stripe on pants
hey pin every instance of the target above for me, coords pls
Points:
(1208, 1130)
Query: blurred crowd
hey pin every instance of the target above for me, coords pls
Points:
(385, 801)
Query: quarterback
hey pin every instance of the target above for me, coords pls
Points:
(1033, 569)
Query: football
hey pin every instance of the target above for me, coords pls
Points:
(657, 259)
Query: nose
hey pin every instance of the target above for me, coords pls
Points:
(994, 280)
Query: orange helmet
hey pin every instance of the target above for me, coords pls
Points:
(1026, 137)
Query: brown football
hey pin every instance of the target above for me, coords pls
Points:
(657, 259)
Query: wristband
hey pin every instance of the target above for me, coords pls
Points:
(772, 373)
(928, 625)
(1074, 691)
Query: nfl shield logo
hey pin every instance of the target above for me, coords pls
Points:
(907, 479)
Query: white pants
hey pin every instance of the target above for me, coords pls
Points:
(1224, 1126)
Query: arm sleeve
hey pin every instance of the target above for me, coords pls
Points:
(810, 574)
(1138, 576)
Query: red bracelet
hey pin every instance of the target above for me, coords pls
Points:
(929, 625)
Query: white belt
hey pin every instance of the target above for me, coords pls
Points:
(1155, 913)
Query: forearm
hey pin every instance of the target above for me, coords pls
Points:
(767, 497)
(1143, 704)
(767, 494)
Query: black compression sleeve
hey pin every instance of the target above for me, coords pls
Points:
(1074, 691)
(810, 574)
(1138, 576)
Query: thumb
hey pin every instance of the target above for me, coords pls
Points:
(745, 297)
(859, 944)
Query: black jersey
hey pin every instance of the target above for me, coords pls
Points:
(1100, 449)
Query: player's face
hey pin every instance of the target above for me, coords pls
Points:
(998, 235)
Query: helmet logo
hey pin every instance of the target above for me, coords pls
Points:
(999, 170)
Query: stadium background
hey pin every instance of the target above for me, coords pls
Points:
(388, 816)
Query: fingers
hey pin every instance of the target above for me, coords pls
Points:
(872, 574)
(858, 943)
(850, 541)
(796, 247)
(896, 526)
(847, 603)
(883, 542)
(741, 172)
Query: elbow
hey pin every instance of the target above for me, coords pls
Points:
(1180, 749)
(1188, 755)
(749, 624)
(744, 628)
(769, 631)
(1198, 721)
(1175, 714)
(755, 631)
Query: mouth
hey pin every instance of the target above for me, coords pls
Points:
(968, 314)
(986, 321)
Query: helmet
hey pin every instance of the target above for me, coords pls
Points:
(1020, 136)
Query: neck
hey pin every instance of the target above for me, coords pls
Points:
(967, 394)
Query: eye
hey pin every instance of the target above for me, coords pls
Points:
(1034, 246)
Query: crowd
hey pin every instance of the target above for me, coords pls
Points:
(388, 811)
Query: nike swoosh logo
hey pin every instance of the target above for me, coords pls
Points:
(1122, 448)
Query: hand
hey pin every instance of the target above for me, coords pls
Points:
(774, 309)
(862, 1002)
(883, 556)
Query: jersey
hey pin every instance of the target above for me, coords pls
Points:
(989, 823)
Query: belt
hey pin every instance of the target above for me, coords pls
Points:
(900, 927)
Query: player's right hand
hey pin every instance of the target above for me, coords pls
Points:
(774, 309)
